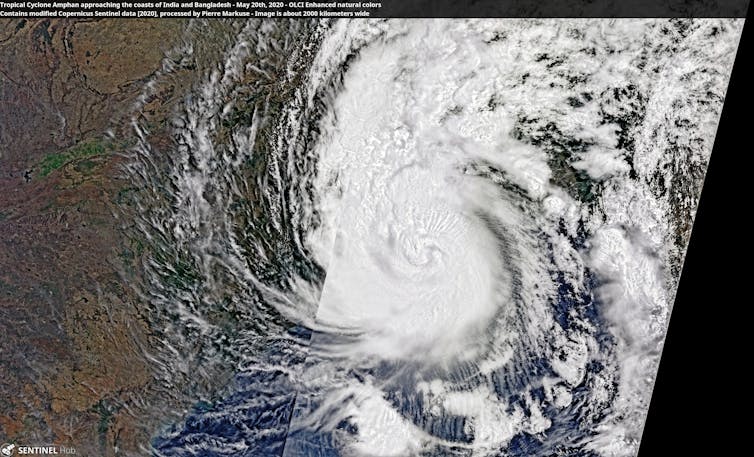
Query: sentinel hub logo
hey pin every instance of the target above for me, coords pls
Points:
(10, 449)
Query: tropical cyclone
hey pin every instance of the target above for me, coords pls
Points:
(458, 287)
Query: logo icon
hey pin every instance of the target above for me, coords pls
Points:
(7, 449)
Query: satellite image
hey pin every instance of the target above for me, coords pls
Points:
(346, 237)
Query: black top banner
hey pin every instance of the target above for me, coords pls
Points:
(380, 9)
(565, 8)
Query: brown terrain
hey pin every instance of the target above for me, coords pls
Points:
(71, 336)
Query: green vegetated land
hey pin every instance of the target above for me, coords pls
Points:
(90, 148)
